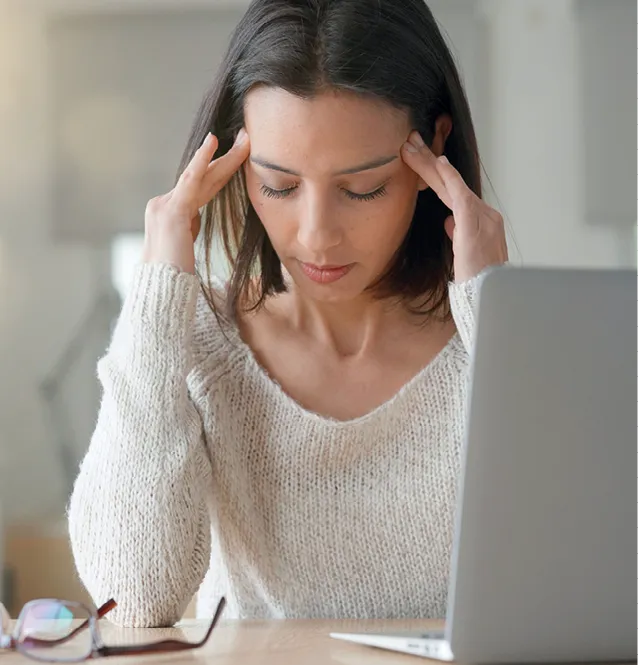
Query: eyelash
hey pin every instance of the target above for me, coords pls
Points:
(283, 193)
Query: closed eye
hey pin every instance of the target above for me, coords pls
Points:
(283, 193)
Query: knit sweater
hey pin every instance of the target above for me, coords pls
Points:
(203, 474)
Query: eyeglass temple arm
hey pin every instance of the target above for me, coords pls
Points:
(164, 645)
(106, 608)
(100, 612)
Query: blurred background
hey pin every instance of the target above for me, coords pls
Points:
(96, 101)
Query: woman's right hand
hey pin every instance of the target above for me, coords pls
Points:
(172, 221)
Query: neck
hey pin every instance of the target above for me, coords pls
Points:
(350, 329)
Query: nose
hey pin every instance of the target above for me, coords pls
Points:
(319, 228)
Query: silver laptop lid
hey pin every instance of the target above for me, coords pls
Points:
(544, 559)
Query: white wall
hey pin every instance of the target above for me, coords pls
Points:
(606, 70)
(44, 288)
(528, 114)
(538, 137)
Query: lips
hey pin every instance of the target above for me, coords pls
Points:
(325, 274)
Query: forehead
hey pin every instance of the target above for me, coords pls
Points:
(331, 130)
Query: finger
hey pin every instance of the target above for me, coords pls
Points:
(203, 155)
(453, 180)
(469, 209)
(190, 179)
(495, 216)
(221, 170)
(422, 161)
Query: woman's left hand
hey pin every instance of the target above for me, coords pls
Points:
(477, 231)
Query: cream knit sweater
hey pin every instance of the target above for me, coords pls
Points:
(203, 474)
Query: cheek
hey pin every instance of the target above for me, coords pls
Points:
(393, 213)
(378, 232)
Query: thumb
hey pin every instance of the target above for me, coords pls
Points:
(449, 226)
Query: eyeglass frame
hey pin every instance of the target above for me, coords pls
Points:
(8, 641)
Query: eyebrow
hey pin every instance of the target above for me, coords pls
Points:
(368, 166)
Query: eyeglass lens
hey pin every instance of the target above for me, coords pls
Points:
(44, 624)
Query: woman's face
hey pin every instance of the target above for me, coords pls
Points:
(327, 180)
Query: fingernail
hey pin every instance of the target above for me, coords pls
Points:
(208, 139)
(444, 160)
(417, 140)
(410, 148)
(241, 136)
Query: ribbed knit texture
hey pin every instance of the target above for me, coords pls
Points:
(203, 471)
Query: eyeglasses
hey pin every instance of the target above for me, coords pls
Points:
(61, 631)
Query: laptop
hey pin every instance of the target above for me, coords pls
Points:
(545, 542)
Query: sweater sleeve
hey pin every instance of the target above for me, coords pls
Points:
(138, 520)
(464, 306)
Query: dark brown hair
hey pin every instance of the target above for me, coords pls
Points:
(391, 50)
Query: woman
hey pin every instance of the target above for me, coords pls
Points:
(291, 439)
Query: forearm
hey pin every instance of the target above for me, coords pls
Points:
(138, 519)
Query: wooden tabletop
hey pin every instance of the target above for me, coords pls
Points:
(303, 642)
